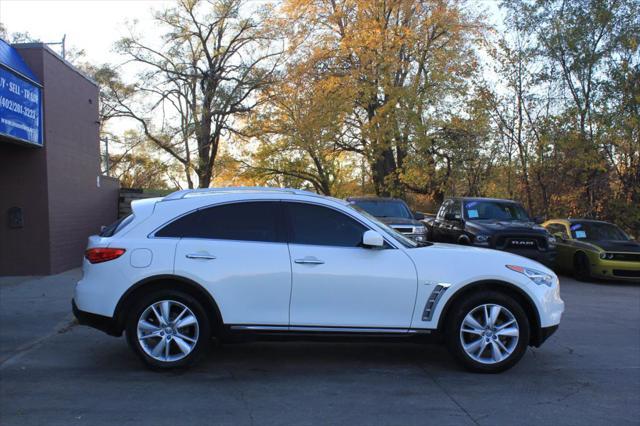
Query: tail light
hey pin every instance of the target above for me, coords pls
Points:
(99, 255)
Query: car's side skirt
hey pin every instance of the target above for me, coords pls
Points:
(243, 332)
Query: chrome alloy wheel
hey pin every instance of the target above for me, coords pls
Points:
(167, 331)
(489, 333)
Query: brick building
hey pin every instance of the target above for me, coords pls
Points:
(52, 193)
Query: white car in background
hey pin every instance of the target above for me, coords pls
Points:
(198, 264)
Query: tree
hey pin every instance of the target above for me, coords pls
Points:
(201, 81)
(139, 171)
(137, 164)
(585, 70)
(297, 129)
(619, 118)
(398, 63)
(582, 42)
(516, 104)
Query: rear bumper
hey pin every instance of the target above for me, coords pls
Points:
(99, 322)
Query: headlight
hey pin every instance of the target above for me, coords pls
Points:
(419, 230)
(552, 240)
(534, 275)
(607, 256)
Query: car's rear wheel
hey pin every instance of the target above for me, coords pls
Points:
(168, 329)
(581, 267)
(488, 332)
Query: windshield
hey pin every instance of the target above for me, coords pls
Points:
(494, 210)
(384, 208)
(597, 231)
(408, 243)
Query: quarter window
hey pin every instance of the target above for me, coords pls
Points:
(251, 221)
(117, 226)
(322, 226)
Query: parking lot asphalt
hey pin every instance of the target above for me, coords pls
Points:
(57, 373)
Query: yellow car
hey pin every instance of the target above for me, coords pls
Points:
(595, 249)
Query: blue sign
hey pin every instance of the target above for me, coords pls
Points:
(20, 108)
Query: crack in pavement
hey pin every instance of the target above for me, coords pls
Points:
(60, 328)
(579, 387)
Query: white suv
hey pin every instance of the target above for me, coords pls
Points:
(217, 263)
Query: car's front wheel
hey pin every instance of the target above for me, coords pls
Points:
(168, 329)
(488, 332)
(581, 267)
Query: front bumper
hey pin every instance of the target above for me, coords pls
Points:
(102, 323)
(616, 270)
(542, 335)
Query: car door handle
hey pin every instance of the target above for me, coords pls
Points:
(203, 256)
(309, 261)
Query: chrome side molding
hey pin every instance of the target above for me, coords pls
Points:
(322, 329)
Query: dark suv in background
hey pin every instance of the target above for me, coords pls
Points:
(394, 213)
(492, 223)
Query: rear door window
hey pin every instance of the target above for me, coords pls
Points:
(250, 221)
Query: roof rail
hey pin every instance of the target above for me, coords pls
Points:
(178, 195)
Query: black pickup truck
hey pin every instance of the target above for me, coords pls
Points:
(492, 223)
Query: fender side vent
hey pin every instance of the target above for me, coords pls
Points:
(436, 294)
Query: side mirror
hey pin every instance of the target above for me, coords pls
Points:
(418, 216)
(452, 216)
(372, 239)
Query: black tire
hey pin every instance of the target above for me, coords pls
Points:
(454, 323)
(581, 267)
(202, 342)
(464, 241)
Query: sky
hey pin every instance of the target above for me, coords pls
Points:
(94, 25)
